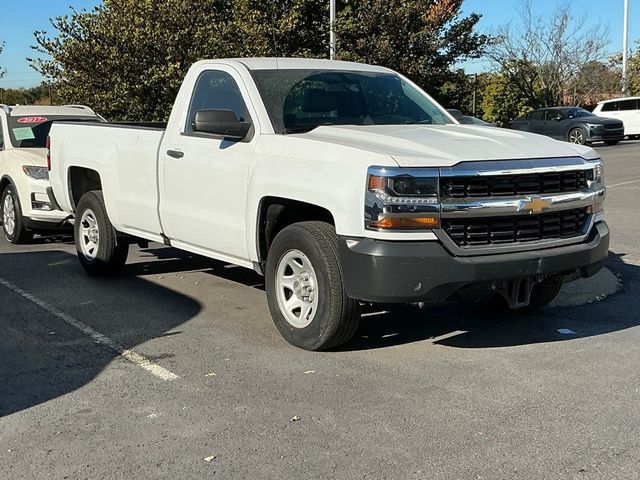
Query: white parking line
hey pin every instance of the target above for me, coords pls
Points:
(623, 183)
(131, 355)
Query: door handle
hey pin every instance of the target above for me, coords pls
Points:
(175, 153)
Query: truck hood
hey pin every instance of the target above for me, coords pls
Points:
(32, 156)
(447, 145)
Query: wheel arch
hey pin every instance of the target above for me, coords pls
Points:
(5, 181)
(81, 180)
(276, 213)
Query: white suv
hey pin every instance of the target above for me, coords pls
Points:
(625, 109)
(25, 204)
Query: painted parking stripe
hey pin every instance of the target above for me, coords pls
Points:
(131, 355)
(623, 183)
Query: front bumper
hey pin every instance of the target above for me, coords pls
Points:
(400, 272)
(602, 135)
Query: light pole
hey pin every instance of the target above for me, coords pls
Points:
(625, 46)
(332, 33)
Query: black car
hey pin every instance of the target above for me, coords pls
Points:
(572, 124)
(468, 119)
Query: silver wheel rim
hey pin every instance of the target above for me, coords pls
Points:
(576, 136)
(89, 235)
(9, 215)
(297, 289)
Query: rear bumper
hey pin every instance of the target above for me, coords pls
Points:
(398, 272)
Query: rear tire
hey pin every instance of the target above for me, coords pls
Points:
(305, 289)
(100, 251)
(611, 142)
(12, 220)
(542, 295)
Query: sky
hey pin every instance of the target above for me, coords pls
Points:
(20, 18)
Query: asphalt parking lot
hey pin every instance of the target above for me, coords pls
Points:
(175, 370)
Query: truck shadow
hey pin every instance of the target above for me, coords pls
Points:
(42, 357)
(469, 325)
(460, 325)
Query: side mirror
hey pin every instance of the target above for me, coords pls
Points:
(558, 118)
(220, 122)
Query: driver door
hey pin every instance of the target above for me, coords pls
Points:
(206, 177)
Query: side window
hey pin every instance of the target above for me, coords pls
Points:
(536, 115)
(1, 135)
(629, 104)
(610, 106)
(216, 90)
(551, 114)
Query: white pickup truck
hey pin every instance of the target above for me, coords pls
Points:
(342, 183)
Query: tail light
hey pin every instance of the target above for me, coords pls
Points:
(48, 145)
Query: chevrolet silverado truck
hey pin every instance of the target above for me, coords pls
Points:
(343, 184)
(25, 206)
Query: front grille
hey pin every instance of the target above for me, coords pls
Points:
(468, 232)
(511, 185)
(613, 126)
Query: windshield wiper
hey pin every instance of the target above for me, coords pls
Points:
(306, 128)
(300, 129)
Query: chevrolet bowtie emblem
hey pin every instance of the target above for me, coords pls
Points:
(535, 205)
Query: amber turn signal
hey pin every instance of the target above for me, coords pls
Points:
(405, 223)
(376, 183)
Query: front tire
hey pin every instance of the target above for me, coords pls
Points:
(12, 220)
(100, 251)
(305, 289)
(577, 136)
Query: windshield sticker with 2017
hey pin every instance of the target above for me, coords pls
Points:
(32, 120)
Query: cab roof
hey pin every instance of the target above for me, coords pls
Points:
(282, 63)
(45, 110)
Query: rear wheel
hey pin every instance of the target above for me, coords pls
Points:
(100, 251)
(12, 220)
(305, 291)
(577, 135)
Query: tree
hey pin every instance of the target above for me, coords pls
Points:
(126, 58)
(634, 71)
(2, 70)
(543, 55)
(502, 100)
(421, 39)
(594, 81)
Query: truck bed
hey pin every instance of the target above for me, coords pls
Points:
(126, 154)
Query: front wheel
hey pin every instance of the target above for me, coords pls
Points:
(12, 220)
(305, 290)
(577, 135)
(100, 251)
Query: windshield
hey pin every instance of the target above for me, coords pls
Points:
(32, 131)
(300, 100)
(578, 112)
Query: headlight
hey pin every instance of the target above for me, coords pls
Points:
(595, 180)
(402, 199)
(593, 125)
(597, 174)
(39, 173)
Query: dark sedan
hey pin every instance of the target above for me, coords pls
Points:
(572, 124)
